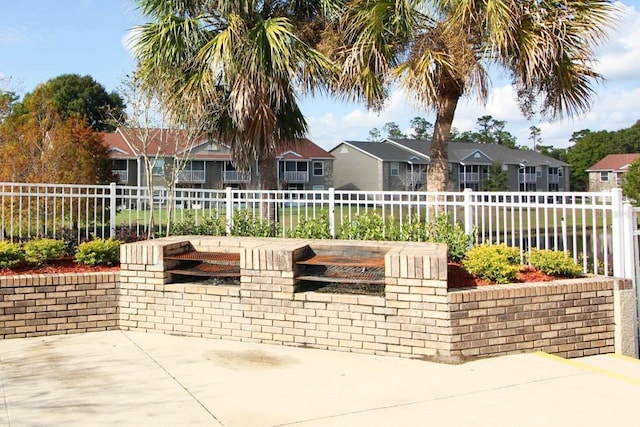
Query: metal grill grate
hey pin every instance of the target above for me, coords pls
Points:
(206, 256)
(343, 269)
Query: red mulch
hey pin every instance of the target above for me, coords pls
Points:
(62, 265)
(458, 277)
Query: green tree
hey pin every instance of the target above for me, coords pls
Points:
(547, 48)
(534, 136)
(374, 135)
(242, 64)
(551, 151)
(489, 131)
(497, 179)
(74, 95)
(588, 149)
(393, 130)
(631, 183)
(422, 129)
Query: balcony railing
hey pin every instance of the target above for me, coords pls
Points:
(236, 176)
(296, 176)
(554, 179)
(191, 176)
(528, 177)
(469, 177)
(123, 175)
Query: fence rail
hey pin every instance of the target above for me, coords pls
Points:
(584, 225)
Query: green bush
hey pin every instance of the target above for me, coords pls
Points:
(368, 226)
(246, 224)
(10, 254)
(99, 252)
(205, 227)
(413, 229)
(312, 228)
(553, 263)
(496, 263)
(39, 251)
(443, 230)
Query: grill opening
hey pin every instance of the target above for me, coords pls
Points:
(214, 268)
(341, 270)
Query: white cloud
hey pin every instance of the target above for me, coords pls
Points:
(619, 57)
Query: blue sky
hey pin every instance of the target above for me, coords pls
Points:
(41, 39)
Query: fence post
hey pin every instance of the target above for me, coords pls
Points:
(617, 230)
(229, 213)
(332, 212)
(628, 235)
(113, 210)
(468, 211)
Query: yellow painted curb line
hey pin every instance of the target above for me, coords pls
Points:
(623, 357)
(590, 368)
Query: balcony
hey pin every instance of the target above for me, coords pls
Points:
(122, 175)
(527, 177)
(296, 176)
(191, 176)
(236, 176)
(469, 177)
(554, 179)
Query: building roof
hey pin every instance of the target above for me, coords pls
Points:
(383, 151)
(203, 149)
(615, 162)
(459, 152)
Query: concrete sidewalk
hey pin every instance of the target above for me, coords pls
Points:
(137, 379)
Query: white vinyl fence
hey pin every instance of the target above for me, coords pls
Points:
(597, 229)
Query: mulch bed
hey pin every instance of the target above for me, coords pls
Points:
(458, 277)
(62, 265)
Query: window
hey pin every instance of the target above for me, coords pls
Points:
(538, 172)
(395, 168)
(318, 168)
(295, 166)
(158, 168)
(196, 165)
(604, 176)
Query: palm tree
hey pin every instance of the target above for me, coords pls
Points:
(441, 50)
(239, 62)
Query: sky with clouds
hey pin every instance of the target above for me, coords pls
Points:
(40, 40)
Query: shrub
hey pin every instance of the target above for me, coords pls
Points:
(554, 263)
(496, 263)
(245, 224)
(369, 226)
(99, 252)
(10, 254)
(413, 230)
(312, 228)
(443, 230)
(205, 227)
(39, 251)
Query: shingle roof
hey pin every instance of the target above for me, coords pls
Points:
(614, 162)
(388, 152)
(459, 151)
(302, 149)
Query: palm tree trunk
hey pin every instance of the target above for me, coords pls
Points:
(437, 174)
(268, 181)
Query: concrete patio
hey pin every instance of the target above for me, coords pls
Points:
(137, 379)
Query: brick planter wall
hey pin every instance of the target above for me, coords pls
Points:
(417, 317)
(569, 318)
(58, 304)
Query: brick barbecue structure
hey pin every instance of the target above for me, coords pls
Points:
(258, 290)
